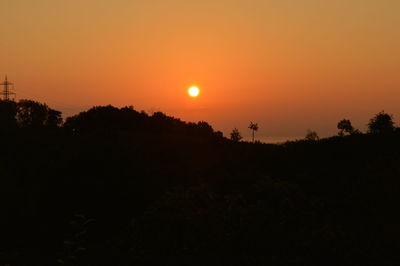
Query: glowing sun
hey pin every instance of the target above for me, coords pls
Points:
(194, 91)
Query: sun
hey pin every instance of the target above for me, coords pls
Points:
(194, 91)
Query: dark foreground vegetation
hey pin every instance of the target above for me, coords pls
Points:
(118, 187)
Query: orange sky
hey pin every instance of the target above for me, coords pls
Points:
(289, 65)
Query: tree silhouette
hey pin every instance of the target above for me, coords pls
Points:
(31, 114)
(54, 118)
(345, 126)
(312, 135)
(105, 118)
(253, 127)
(381, 123)
(8, 110)
(119, 187)
(235, 135)
(204, 128)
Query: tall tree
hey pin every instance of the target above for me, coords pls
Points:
(31, 114)
(253, 127)
(345, 127)
(54, 118)
(312, 135)
(235, 135)
(381, 123)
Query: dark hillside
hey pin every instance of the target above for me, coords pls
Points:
(113, 186)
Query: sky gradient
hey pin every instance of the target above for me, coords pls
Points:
(288, 65)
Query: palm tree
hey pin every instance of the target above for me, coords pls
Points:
(254, 127)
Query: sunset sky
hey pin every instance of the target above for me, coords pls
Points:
(289, 65)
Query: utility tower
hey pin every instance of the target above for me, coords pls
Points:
(7, 92)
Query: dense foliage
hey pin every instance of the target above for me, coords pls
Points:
(113, 186)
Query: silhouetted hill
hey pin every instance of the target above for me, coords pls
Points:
(113, 186)
(109, 119)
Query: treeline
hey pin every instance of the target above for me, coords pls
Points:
(114, 186)
(381, 123)
(28, 114)
(31, 114)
